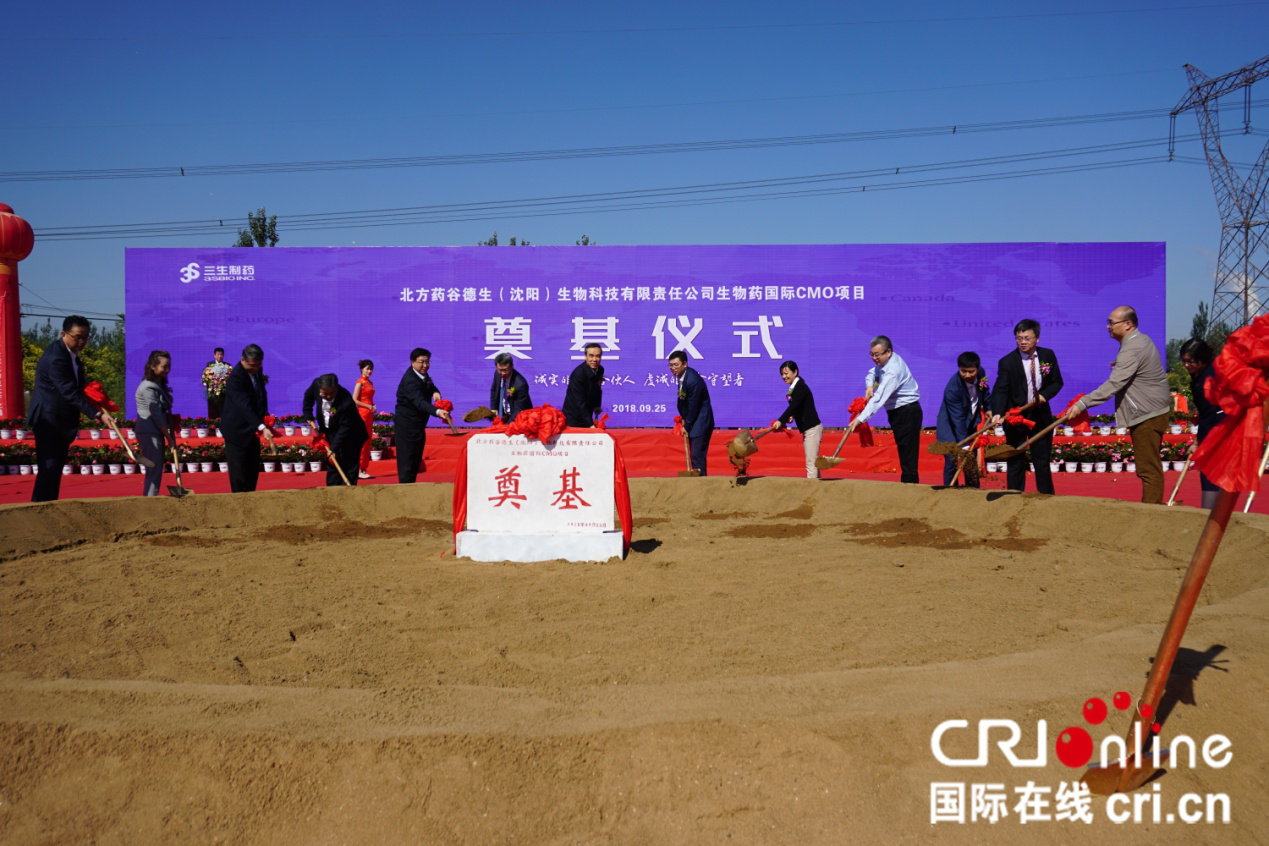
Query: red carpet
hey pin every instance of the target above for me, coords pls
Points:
(648, 453)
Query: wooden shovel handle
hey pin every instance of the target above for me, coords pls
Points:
(687, 453)
(126, 448)
(1177, 487)
(1187, 596)
(989, 425)
(1038, 435)
(330, 454)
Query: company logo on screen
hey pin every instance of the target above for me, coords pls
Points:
(218, 272)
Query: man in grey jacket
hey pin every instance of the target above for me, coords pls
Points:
(1142, 399)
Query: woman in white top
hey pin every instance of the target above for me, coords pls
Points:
(154, 405)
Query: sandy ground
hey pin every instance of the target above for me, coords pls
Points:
(766, 666)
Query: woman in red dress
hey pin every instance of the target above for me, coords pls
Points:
(364, 395)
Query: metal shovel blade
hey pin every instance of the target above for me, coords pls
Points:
(1000, 451)
(1117, 778)
(178, 491)
(827, 462)
(744, 445)
(686, 473)
(943, 448)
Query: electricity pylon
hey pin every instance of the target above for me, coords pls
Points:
(1242, 267)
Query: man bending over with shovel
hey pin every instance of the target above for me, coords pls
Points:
(965, 400)
(345, 431)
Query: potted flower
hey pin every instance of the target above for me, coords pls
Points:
(376, 449)
(1117, 455)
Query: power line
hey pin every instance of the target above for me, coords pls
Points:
(361, 119)
(348, 36)
(780, 187)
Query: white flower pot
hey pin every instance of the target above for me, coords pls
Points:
(131, 433)
(115, 469)
(1099, 467)
(191, 467)
(184, 433)
(19, 433)
(1130, 467)
(1116, 467)
(207, 466)
(129, 469)
(1121, 430)
(306, 430)
(85, 470)
(376, 455)
(6, 433)
(219, 433)
(24, 469)
(1193, 428)
(315, 466)
(269, 467)
(202, 431)
(35, 469)
(1086, 467)
(94, 434)
(999, 431)
(1087, 434)
(224, 466)
(1175, 428)
(1068, 430)
(290, 430)
(66, 469)
(286, 467)
(1105, 430)
(1055, 467)
(99, 469)
(113, 435)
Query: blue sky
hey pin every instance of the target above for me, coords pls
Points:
(150, 85)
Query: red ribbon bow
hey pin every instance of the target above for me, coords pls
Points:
(1014, 418)
(320, 442)
(1230, 454)
(541, 423)
(269, 422)
(1079, 422)
(445, 405)
(96, 394)
(678, 426)
(857, 405)
(602, 423)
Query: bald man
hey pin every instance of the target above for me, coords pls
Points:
(1142, 399)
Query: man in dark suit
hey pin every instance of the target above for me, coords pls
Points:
(417, 395)
(694, 408)
(509, 393)
(242, 419)
(57, 401)
(585, 394)
(1027, 374)
(801, 410)
(310, 404)
(338, 420)
(965, 402)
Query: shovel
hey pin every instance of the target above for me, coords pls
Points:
(132, 456)
(828, 462)
(330, 455)
(177, 490)
(479, 413)
(1129, 774)
(745, 444)
(945, 448)
(1000, 451)
(687, 456)
(1189, 458)
(1264, 461)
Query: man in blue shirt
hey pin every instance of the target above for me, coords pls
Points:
(892, 386)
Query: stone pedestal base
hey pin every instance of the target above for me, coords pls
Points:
(495, 546)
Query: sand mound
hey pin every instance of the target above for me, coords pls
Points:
(766, 666)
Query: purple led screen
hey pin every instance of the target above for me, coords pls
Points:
(739, 311)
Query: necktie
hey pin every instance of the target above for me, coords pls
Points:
(1035, 381)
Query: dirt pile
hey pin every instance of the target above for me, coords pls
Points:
(766, 666)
